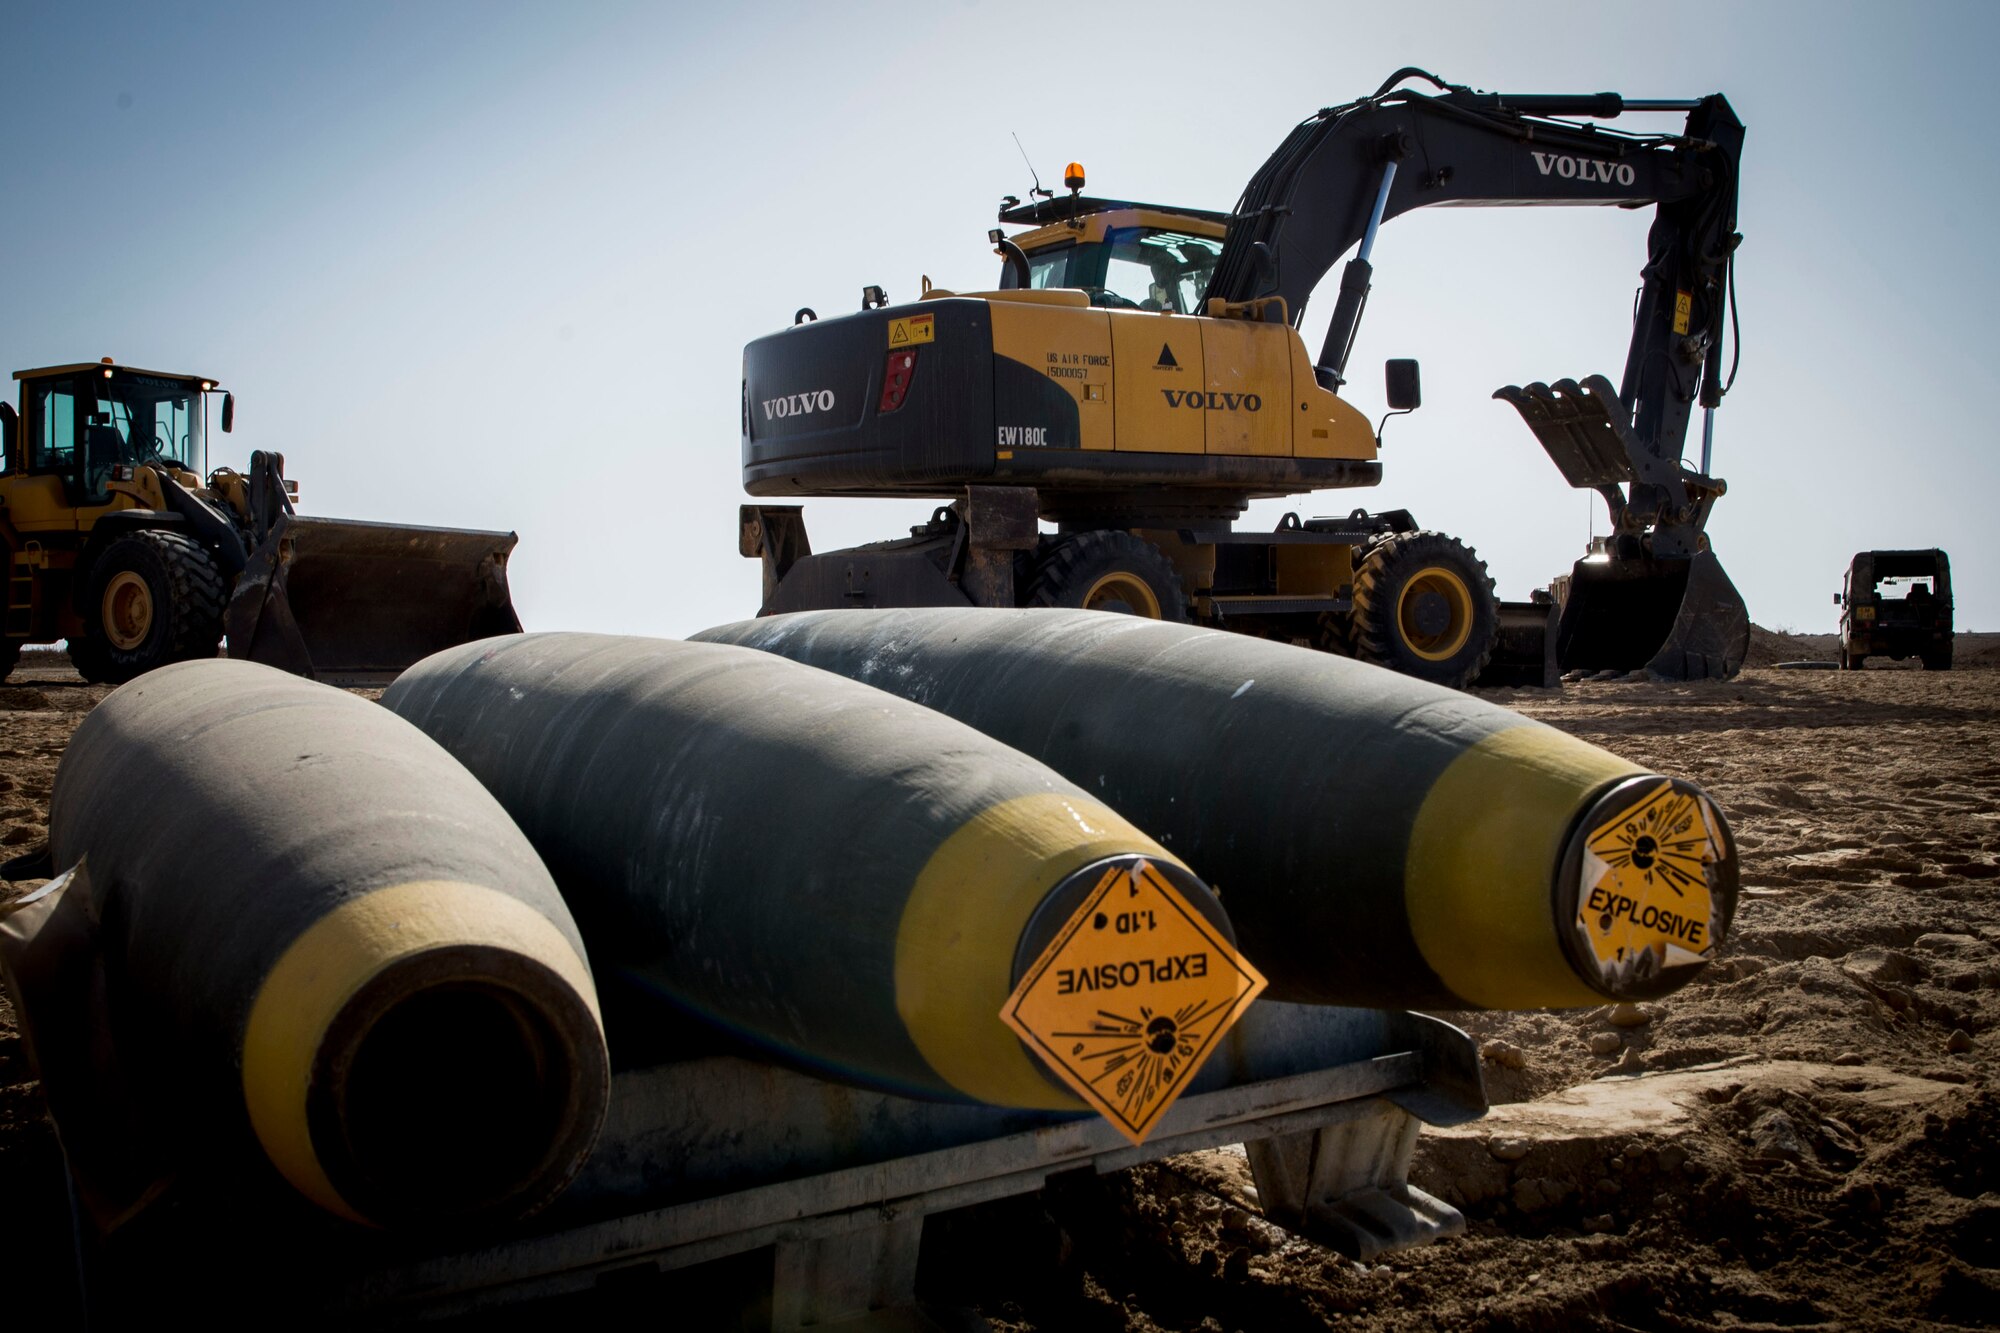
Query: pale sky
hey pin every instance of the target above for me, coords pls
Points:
(494, 264)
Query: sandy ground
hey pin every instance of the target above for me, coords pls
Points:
(1808, 1136)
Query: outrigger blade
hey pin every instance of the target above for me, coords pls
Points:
(1680, 619)
(354, 603)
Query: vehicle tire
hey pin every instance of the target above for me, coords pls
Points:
(1336, 634)
(155, 597)
(10, 654)
(1424, 606)
(1938, 659)
(1108, 571)
(90, 658)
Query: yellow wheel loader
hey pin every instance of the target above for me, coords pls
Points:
(1138, 377)
(116, 544)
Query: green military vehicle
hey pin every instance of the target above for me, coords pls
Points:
(1896, 604)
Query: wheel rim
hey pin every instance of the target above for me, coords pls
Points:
(1123, 592)
(127, 610)
(1434, 613)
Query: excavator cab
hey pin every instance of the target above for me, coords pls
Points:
(1124, 256)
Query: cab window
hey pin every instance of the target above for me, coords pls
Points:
(1133, 268)
(52, 426)
(1049, 268)
(1163, 270)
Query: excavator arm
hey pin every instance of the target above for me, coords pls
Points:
(1347, 169)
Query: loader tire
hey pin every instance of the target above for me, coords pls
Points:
(89, 658)
(1424, 606)
(1938, 659)
(1108, 571)
(10, 654)
(155, 597)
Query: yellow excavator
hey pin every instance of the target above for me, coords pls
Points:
(1138, 376)
(115, 543)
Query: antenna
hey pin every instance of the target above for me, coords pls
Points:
(1038, 190)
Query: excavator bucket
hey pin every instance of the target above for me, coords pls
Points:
(1678, 619)
(1675, 616)
(353, 603)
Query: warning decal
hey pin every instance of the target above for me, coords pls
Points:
(1683, 310)
(1644, 905)
(1131, 996)
(912, 329)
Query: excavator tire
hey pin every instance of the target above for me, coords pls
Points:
(1108, 571)
(1335, 635)
(1424, 606)
(155, 597)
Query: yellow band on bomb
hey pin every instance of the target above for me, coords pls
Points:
(321, 971)
(1482, 863)
(950, 988)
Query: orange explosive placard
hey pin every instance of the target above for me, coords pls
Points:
(1643, 906)
(1131, 997)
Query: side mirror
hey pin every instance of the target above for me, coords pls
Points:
(228, 412)
(1836, 599)
(1406, 391)
(8, 421)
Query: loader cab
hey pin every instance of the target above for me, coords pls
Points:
(1125, 256)
(80, 424)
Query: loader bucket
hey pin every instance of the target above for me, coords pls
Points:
(353, 603)
(1681, 619)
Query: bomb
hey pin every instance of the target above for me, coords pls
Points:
(1377, 840)
(844, 878)
(318, 930)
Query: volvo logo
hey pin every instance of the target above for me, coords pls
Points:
(799, 404)
(1212, 402)
(1584, 168)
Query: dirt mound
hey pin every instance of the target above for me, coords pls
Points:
(1976, 650)
(1768, 647)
